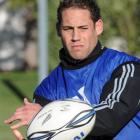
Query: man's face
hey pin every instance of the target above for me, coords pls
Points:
(78, 32)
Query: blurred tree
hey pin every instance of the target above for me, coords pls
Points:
(54, 43)
(54, 40)
(15, 5)
(122, 18)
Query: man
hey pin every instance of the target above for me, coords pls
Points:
(107, 79)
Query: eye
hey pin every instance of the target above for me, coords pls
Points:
(67, 28)
(84, 28)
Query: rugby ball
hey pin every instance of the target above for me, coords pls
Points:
(62, 120)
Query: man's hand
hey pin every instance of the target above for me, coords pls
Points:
(24, 115)
(18, 135)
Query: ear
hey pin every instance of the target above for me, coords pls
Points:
(99, 26)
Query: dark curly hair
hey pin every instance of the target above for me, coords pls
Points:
(91, 5)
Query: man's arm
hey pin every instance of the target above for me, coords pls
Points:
(23, 115)
(120, 100)
(41, 100)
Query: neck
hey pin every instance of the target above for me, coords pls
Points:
(68, 62)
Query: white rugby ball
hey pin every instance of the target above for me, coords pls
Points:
(62, 120)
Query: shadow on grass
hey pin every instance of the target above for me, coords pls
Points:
(18, 93)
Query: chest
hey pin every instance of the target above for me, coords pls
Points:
(85, 84)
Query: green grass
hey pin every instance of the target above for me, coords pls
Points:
(24, 82)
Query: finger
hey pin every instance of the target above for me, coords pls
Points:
(10, 120)
(18, 125)
(17, 134)
(26, 102)
(15, 117)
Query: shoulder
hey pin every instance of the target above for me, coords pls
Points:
(131, 67)
(115, 53)
(48, 85)
(54, 73)
(117, 58)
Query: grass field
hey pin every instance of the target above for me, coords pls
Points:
(13, 87)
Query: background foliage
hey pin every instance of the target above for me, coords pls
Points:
(23, 83)
(121, 18)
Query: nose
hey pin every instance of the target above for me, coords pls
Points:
(75, 36)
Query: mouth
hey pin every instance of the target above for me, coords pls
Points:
(77, 46)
